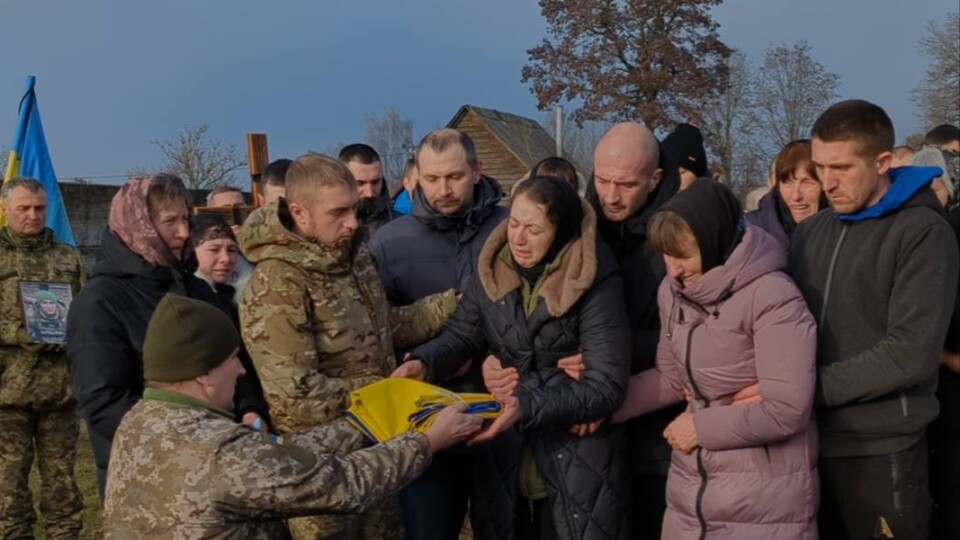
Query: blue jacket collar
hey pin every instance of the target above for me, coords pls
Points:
(905, 182)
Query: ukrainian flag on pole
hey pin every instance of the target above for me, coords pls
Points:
(31, 159)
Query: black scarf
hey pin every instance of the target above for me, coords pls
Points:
(713, 214)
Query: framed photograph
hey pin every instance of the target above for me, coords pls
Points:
(45, 306)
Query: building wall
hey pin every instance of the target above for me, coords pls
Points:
(498, 162)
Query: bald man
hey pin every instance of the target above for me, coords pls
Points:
(632, 178)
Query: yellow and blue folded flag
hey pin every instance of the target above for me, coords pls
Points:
(390, 407)
(30, 158)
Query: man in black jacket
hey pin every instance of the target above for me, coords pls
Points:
(375, 209)
(434, 249)
(879, 272)
(632, 178)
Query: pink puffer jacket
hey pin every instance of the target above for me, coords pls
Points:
(754, 474)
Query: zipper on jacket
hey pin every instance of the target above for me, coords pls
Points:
(701, 469)
(904, 404)
(822, 322)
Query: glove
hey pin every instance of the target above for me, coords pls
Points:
(27, 342)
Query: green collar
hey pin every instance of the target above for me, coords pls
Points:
(155, 394)
(26, 243)
(529, 292)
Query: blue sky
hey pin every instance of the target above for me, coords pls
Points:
(114, 75)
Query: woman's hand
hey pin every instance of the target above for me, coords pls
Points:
(584, 430)
(750, 394)
(573, 366)
(410, 369)
(500, 381)
(507, 419)
(253, 421)
(681, 434)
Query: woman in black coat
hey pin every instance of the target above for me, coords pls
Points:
(545, 290)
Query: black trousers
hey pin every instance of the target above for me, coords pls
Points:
(435, 504)
(648, 504)
(885, 496)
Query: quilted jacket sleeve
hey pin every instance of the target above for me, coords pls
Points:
(605, 343)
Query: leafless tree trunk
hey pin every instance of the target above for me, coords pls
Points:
(728, 123)
(792, 89)
(938, 95)
(391, 136)
(200, 162)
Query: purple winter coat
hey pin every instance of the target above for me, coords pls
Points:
(754, 474)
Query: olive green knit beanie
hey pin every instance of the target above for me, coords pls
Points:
(186, 338)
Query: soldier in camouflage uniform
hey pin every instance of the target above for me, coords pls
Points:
(37, 410)
(182, 468)
(315, 318)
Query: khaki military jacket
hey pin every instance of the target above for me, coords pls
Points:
(317, 323)
(181, 469)
(35, 380)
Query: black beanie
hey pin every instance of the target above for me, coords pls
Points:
(186, 338)
(685, 145)
(713, 213)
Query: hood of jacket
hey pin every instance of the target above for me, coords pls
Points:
(905, 184)
(636, 225)
(268, 235)
(757, 254)
(564, 281)
(487, 194)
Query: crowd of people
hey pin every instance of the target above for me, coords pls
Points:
(667, 365)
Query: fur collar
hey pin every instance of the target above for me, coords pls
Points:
(563, 284)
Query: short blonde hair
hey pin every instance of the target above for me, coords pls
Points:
(312, 171)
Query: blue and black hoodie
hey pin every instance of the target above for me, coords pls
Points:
(881, 283)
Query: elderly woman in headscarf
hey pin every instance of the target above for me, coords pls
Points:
(730, 319)
(546, 289)
(143, 256)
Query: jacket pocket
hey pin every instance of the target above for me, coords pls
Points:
(769, 460)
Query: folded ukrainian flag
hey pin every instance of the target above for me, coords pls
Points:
(389, 407)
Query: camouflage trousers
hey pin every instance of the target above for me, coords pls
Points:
(381, 521)
(52, 435)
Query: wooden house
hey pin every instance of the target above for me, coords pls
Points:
(508, 145)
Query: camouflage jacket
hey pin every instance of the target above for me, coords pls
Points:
(27, 379)
(181, 469)
(317, 323)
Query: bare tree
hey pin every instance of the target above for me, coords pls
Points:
(728, 122)
(392, 137)
(579, 141)
(200, 162)
(4, 158)
(938, 94)
(792, 89)
(650, 60)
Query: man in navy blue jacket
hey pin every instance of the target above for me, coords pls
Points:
(434, 249)
(879, 272)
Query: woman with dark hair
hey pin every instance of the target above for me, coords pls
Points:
(731, 318)
(554, 166)
(795, 195)
(216, 252)
(545, 289)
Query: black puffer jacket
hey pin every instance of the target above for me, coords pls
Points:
(579, 308)
(642, 270)
(105, 335)
(426, 252)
